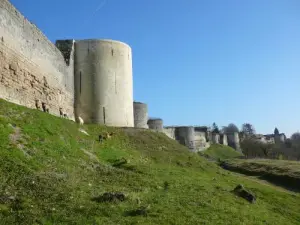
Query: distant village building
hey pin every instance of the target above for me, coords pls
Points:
(271, 138)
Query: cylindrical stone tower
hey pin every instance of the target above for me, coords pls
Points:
(224, 139)
(155, 124)
(186, 136)
(103, 82)
(140, 111)
(215, 138)
(234, 141)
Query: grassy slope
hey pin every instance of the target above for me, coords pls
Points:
(279, 171)
(221, 152)
(54, 170)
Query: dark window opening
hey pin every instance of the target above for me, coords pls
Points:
(80, 83)
(104, 115)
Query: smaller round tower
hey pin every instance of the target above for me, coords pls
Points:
(234, 141)
(224, 139)
(155, 124)
(215, 138)
(140, 111)
(186, 136)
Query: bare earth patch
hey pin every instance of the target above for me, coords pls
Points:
(17, 139)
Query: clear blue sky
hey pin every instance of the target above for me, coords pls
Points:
(196, 61)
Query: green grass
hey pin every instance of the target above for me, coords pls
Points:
(220, 152)
(49, 172)
(281, 172)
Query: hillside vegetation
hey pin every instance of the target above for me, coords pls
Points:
(51, 173)
(220, 152)
(281, 172)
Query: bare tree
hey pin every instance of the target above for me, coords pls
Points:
(295, 137)
(248, 129)
(231, 128)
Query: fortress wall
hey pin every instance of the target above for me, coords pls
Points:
(186, 136)
(31, 67)
(215, 138)
(224, 139)
(170, 132)
(200, 141)
(234, 141)
(156, 124)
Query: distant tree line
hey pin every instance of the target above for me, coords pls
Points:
(254, 148)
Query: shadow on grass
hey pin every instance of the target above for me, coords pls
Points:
(123, 164)
(285, 181)
(141, 211)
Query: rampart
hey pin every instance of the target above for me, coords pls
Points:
(87, 78)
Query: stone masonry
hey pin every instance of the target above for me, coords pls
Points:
(31, 67)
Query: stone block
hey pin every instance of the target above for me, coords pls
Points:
(13, 66)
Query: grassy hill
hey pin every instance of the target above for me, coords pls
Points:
(221, 152)
(51, 173)
(281, 172)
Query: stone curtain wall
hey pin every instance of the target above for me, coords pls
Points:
(31, 67)
(200, 141)
(170, 132)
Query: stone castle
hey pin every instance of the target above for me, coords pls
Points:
(91, 79)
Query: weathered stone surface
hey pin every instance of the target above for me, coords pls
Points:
(13, 66)
(22, 83)
(31, 67)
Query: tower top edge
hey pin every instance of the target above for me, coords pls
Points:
(103, 40)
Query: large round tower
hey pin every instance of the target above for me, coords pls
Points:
(103, 82)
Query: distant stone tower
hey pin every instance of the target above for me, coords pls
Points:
(215, 138)
(140, 111)
(279, 138)
(156, 124)
(186, 136)
(234, 140)
(224, 139)
(103, 82)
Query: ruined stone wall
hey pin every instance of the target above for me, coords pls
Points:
(31, 67)
(215, 138)
(170, 132)
(200, 141)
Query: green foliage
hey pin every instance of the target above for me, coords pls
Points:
(252, 148)
(276, 131)
(221, 152)
(215, 128)
(50, 172)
